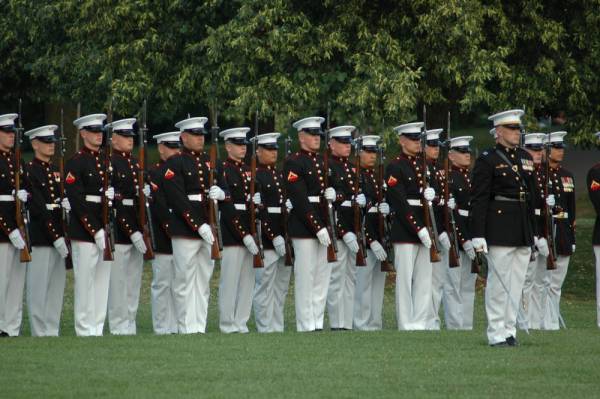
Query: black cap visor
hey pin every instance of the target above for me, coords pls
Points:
(7, 128)
(125, 133)
(464, 149)
(313, 131)
(196, 132)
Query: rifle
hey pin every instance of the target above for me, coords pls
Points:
(213, 205)
(62, 140)
(428, 215)
(107, 213)
(383, 225)
(289, 250)
(547, 215)
(21, 213)
(358, 223)
(255, 226)
(449, 222)
(330, 223)
(144, 214)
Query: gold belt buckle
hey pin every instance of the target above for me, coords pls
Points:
(522, 196)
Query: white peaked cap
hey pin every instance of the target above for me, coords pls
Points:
(462, 141)
(597, 134)
(42, 131)
(370, 140)
(266, 138)
(191, 123)
(169, 137)
(557, 137)
(234, 133)
(122, 124)
(534, 138)
(512, 117)
(341, 131)
(312, 122)
(8, 119)
(90, 120)
(414, 127)
(433, 134)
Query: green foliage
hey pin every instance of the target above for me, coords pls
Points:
(373, 61)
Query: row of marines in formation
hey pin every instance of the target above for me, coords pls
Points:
(303, 210)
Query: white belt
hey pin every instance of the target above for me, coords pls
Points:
(240, 207)
(127, 202)
(463, 212)
(273, 209)
(538, 212)
(314, 198)
(7, 198)
(195, 197)
(373, 209)
(52, 206)
(346, 204)
(414, 202)
(562, 215)
(93, 198)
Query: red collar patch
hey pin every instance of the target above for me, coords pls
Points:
(169, 174)
(70, 179)
(292, 177)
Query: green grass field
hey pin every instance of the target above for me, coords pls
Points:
(325, 364)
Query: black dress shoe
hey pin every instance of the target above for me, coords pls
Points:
(502, 344)
(3, 334)
(335, 329)
(512, 341)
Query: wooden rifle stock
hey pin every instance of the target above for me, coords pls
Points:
(289, 249)
(107, 173)
(61, 172)
(20, 212)
(143, 201)
(386, 265)
(358, 225)
(449, 225)
(477, 262)
(330, 214)
(213, 206)
(254, 221)
(548, 222)
(434, 252)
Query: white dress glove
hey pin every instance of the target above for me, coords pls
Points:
(444, 241)
(361, 200)
(384, 208)
(323, 237)
(256, 199)
(146, 190)
(469, 249)
(351, 242)
(288, 205)
(451, 203)
(550, 200)
(138, 241)
(378, 250)
(216, 193)
(206, 233)
(65, 204)
(480, 244)
(542, 246)
(250, 244)
(22, 195)
(429, 194)
(16, 240)
(61, 246)
(573, 248)
(110, 193)
(279, 244)
(330, 194)
(424, 237)
(99, 238)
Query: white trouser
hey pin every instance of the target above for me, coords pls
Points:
(597, 256)
(164, 319)
(191, 283)
(551, 304)
(438, 278)
(236, 286)
(46, 275)
(124, 291)
(340, 296)
(507, 267)
(413, 286)
(528, 316)
(312, 274)
(368, 297)
(12, 283)
(270, 290)
(459, 295)
(92, 276)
